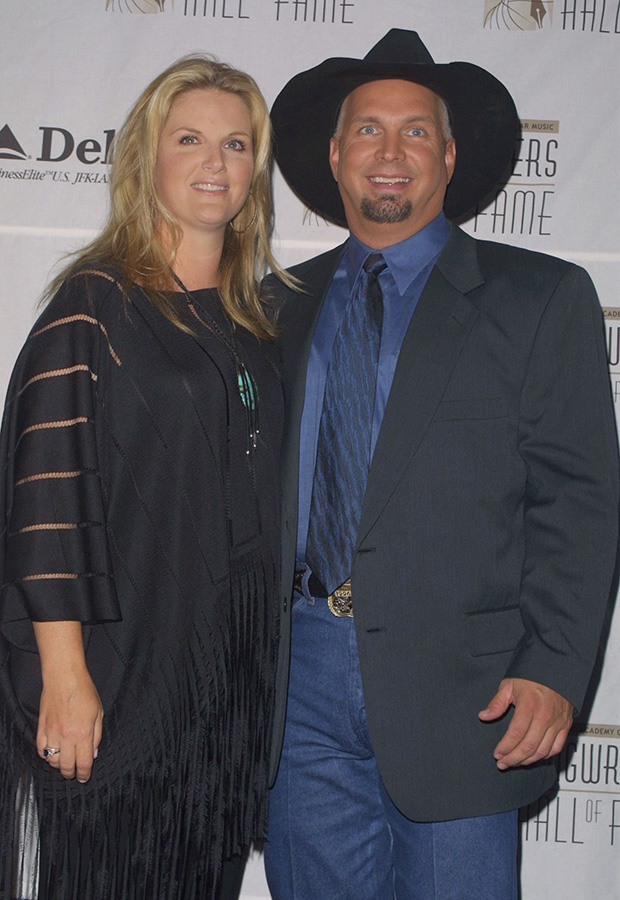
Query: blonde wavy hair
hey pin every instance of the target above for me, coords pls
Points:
(131, 240)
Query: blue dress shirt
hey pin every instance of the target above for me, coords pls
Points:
(409, 264)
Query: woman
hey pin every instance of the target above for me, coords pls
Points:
(140, 556)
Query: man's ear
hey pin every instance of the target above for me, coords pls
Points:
(450, 158)
(334, 156)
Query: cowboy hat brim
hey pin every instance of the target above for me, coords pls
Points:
(484, 121)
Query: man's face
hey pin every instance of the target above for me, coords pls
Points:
(391, 160)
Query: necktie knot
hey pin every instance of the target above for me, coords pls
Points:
(374, 264)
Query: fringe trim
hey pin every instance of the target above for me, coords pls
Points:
(181, 779)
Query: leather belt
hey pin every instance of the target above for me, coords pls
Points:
(340, 601)
(315, 587)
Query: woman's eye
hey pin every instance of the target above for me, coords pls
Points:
(235, 144)
(189, 139)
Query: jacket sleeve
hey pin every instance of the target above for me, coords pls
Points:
(55, 558)
(569, 447)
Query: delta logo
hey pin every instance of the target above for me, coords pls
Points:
(10, 148)
(518, 15)
(57, 145)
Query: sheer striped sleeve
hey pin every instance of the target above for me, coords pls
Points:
(56, 559)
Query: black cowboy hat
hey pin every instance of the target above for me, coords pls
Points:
(483, 117)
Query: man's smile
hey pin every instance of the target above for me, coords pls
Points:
(389, 179)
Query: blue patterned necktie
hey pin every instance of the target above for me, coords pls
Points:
(345, 431)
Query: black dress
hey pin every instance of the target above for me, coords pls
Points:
(134, 503)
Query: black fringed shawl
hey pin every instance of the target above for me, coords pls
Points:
(131, 504)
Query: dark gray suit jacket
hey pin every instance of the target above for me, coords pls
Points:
(488, 535)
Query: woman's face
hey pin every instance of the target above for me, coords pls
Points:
(205, 160)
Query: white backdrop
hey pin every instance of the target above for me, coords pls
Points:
(71, 69)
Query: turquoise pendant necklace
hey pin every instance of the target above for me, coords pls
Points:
(246, 383)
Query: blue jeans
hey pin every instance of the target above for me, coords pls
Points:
(333, 832)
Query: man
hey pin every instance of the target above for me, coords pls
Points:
(450, 456)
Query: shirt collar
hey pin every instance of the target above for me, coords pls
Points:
(407, 258)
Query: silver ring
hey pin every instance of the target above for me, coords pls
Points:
(50, 751)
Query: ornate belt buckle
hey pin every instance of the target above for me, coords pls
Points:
(341, 602)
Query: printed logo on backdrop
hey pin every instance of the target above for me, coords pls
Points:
(602, 16)
(9, 145)
(585, 808)
(55, 154)
(518, 15)
(333, 12)
(524, 205)
(135, 6)
(215, 9)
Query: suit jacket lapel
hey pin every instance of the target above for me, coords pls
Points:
(438, 330)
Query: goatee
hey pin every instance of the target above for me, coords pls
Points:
(386, 210)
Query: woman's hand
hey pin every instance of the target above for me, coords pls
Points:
(70, 711)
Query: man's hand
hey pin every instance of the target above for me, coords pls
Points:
(539, 726)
